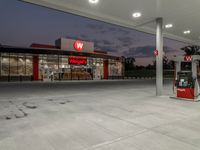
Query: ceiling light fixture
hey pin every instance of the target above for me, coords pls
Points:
(168, 26)
(137, 15)
(93, 1)
(187, 32)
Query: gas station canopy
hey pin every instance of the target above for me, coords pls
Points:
(180, 17)
(174, 19)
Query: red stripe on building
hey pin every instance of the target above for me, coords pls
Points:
(105, 64)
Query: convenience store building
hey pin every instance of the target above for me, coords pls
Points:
(68, 59)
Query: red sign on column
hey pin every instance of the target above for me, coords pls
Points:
(155, 52)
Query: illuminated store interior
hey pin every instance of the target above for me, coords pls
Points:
(41, 61)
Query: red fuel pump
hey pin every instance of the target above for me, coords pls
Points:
(186, 84)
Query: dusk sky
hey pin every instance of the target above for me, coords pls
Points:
(24, 23)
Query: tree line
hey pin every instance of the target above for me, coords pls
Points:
(167, 63)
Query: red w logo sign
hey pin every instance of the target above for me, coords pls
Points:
(78, 45)
(187, 58)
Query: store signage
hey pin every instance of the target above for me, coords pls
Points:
(78, 45)
(77, 60)
(188, 58)
(181, 90)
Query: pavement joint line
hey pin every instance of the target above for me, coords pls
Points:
(109, 115)
(177, 120)
(122, 138)
(184, 141)
(106, 129)
(141, 125)
(164, 124)
(178, 139)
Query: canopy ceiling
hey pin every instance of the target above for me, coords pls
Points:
(183, 14)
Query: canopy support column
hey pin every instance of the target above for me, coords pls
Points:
(159, 58)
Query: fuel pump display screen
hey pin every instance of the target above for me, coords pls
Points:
(185, 79)
(186, 66)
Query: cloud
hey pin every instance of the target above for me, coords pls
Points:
(129, 52)
(72, 37)
(144, 51)
(106, 48)
(106, 42)
(126, 41)
(125, 44)
(112, 29)
(103, 31)
(123, 31)
(106, 28)
(120, 41)
(95, 26)
(108, 45)
(100, 42)
(84, 36)
(167, 49)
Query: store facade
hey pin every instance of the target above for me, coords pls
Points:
(68, 59)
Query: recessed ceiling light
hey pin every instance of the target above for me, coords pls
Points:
(93, 1)
(187, 32)
(137, 15)
(168, 26)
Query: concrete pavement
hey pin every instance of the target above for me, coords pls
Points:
(96, 115)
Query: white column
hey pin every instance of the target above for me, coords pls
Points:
(159, 58)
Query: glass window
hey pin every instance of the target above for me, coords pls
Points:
(115, 68)
(22, 65)
(42, 66)
(16, 64)
(47, 64)
(0, 64)
(98, 71)
(5, 64)
(64, 62)
(52, 62)
(13, 65)
(29, 65)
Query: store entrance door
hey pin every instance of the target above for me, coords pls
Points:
(46, 74)
(49, 73)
